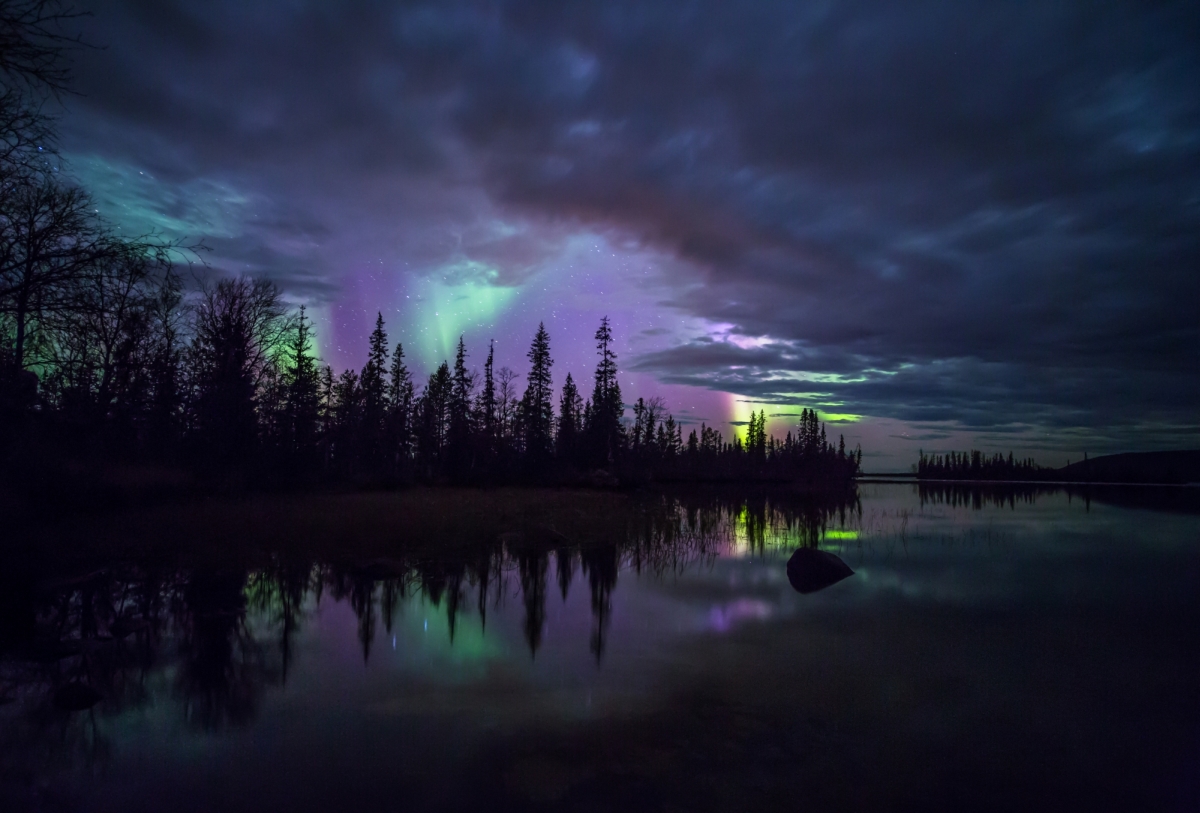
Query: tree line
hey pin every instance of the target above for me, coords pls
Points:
(226, 379)
(975, 465)
(89, 318)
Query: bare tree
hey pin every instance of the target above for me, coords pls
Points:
(33, 41)
(49, 239)
(506, 401)
(239, 325)
(102, 341)
(35, 37)
(656, 408)
(27, 137)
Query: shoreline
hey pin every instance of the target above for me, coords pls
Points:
(914, 480)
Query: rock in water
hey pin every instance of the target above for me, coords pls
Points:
(810, 570)
(76, 697)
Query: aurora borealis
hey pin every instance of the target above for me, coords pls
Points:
(941, 225)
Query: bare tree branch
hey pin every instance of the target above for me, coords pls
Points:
(34, 39)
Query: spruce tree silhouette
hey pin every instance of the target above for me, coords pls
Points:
(537, 411)
(570, 416)
(400, 414)
(302, 405)
(375, 406)
(459, 432)
(486, 406)
(434, 420)
(607, 409)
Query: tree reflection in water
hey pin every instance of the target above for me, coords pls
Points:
(222, 666)
(217, 638)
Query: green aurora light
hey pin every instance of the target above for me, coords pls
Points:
(442, 312)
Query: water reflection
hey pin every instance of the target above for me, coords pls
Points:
(219, 637)
(531, 621)
(222, 665)
(1176, 499)
(977, 497)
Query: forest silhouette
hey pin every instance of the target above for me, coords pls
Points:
(1163, 468)
(225, 384)
(976, 465)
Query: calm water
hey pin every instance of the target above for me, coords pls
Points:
(1039, 653)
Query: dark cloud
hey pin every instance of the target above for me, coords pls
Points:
(978, 213)
(924, 436)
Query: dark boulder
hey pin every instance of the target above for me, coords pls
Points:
(810, 570)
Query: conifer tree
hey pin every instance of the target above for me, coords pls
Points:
(400, 410)
(674, 436)
(374, 395)
(347, 420)
(327, 402)
(458, 437)
(640, 430)
(434, 418)
(302, 397)
(756, 435)
(487, 399)
(537, 411)
(570, 413)
(607, 409)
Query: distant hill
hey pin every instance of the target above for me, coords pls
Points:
(1136, 467)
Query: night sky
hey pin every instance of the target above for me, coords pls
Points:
(943, 225)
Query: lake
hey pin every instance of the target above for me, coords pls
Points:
(993, 650)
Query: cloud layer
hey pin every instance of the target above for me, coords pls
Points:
(969, 214)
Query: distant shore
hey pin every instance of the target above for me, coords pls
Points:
(912, 479)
